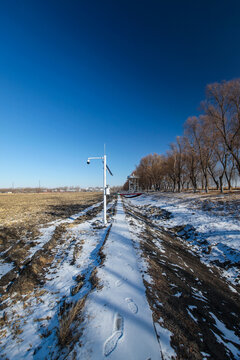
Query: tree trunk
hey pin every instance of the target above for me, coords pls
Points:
(174, 185)
(229, 184)
(202, 180)
(221, 183)
(229, 178)
(235, 157)
(194, 183)
(206, 183)
(179, 186)
(214, 178)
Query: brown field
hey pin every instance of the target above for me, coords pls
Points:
(17, 209)
(22, 215)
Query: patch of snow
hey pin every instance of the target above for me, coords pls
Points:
(165, 339)
(205, 355)
(46, 234)
(232, 289)
(178, 294)
(198, 294)
(5, 267)
(191, 307)
(228, 337)
(158, 244)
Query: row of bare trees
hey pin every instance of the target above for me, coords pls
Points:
(208, 153)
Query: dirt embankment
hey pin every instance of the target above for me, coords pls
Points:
(187, 297)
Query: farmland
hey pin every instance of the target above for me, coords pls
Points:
(17, 209)
(160, 281)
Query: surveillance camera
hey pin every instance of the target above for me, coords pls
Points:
(88, 161)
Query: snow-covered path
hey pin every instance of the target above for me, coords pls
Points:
(119, 321)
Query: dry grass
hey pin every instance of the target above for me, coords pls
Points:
(67, 317)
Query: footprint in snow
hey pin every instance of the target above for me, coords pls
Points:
(129, 267)
(118, 283)
(132, 306)
(111, 342)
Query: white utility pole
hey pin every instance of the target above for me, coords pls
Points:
(105, 187)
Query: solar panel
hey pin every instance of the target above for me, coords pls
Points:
(109, 170)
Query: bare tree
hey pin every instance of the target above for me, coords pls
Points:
(191, 159)
(150, 172)
(178, 150)
(223, 109)
(197, 129)
(170, 170)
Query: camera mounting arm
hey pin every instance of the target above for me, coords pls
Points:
(94, 158)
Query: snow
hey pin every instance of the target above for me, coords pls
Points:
(142, 262)
(5, 267)
(228, 337)
(205, 355)
(46, 234)
(165, 338)
(120, 324)
(206, 228)
(190, 313)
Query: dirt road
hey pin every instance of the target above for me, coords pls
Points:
(131, 290)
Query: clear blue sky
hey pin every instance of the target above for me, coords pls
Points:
(77, 74)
